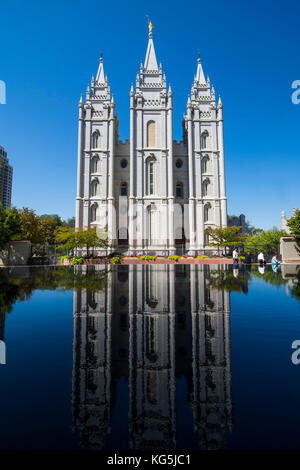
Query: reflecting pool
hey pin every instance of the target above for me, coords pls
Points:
(149, 357)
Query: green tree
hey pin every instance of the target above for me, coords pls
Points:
(294, 225)
(91, 239)
(266, 240)
(71, 239)
(67, 238)
(10, 225)
(222, 237)
(47, 228)
(30, 226)
(57, 219)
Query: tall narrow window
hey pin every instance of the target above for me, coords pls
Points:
(123, 189)
(151, 178)
(179, 190)
(204, 137)
(94, 212)
(205, 161)
(95, 164)
(94, 188)
(96, 139)
(206, 187)
(207, 212)
(151, 138)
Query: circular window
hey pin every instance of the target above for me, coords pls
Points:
(124, 163)
(179, 163)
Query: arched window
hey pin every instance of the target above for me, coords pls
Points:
(205, 161)
(95, 164)
(207, 212)
(151, 175)
(151, 138)
(179, 189)
(123, 189)
(205, 186)
(204, 137)
(94, 187)
(94, 212)
(96, 139)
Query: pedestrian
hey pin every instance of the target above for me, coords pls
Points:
(261, 259)
(275, 261)
(235, 256)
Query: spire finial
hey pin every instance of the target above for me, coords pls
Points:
(101, 55)
(199, 60)
(150, 25)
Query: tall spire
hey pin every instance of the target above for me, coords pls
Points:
(100, 74)
(150, 60)
(200, 75)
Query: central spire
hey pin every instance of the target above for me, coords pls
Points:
(150, 60)
(200, 75)
(100, 75)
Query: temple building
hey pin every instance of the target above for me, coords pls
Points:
(151, 193)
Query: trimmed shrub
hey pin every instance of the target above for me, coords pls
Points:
(77, 260)
(202, 257)
(174, 257)
(148, 257)
(115, 260)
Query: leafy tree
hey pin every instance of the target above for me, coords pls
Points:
(266, 240)
(67, 238)
(222, 237)
(57, 219)
(47, 228)
(10, 225)
(91, 239)
(294, 225)
(71, 239)
(30, 226)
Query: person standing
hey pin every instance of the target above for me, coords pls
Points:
(261, 258)
(235, 256)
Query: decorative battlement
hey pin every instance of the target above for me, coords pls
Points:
(151, 72)
(99, 97)
(205, 114)
(97, 113)
(151, 85)
(152, 103)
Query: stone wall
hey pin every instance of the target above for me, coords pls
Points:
(16, 253)
(289, 249)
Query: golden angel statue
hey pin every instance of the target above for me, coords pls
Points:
(150, 25)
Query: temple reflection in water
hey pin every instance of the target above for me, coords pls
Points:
(152, 324)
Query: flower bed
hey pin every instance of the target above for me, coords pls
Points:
(157, 260)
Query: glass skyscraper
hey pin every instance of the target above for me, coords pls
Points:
(6, 172)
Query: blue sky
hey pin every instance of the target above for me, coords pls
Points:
(250, 50)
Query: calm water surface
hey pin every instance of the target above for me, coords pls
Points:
(149, 357)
